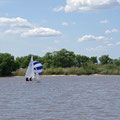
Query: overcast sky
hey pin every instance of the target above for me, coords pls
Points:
(87, 27)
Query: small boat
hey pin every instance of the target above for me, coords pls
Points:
(34, 70)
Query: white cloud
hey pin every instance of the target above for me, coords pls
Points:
(102, 48)
(95, 49)
(107, 32)
(41, 32)
(65, 24)
(114, 30)
(113, 45)
(49, 49)
(110, 45)
(14, 31)
(91, 37)
(111, 31)
(118, 43)
(25, 29)
(89, 5)
(58, 9)
(104, 21)
(14, 22)
(118, 1)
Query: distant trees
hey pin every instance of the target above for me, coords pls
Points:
(48, 60)
(81, 60)
(56, 59)
(117, 62)
(64, 58)
(105, 59)
(7, 64)
(94, 60)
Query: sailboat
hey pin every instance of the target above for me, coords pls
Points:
(34, 70)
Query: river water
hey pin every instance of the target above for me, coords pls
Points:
(60, 98)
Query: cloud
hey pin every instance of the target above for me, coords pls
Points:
(104, 21)
(41, 32)
(25, 29)
(97, 49)
(49, 49)
(58, 9)
(102, 48)
(89, 5)
(91, 37)
(111, 31)
(118, 43)
(65, 24)
(113, 45)
(14, 31)
(110, 45)
(15, 22)
(118, 1)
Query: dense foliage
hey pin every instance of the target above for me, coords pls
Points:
(59, 62)
(7, 64)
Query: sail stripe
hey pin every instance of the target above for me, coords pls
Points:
(35, 63)
(38, 68)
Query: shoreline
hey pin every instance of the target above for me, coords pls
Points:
(65, 75)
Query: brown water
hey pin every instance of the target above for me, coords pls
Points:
(60, 98)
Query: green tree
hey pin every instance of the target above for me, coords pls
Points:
(81, 60)
(105, 59)
(117, 62)
(7, 64)
(24, 61)
(48, 60)
(78, 61)
(63, 58)
(94, 60)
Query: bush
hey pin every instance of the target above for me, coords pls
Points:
(19, 72)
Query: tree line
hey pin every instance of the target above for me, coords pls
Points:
(56, 59)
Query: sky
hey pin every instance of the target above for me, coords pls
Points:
(86, 27)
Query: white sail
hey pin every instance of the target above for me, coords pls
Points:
(34, 69)
(30, 70)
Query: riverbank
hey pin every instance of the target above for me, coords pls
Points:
(73, 71)
(66, 75)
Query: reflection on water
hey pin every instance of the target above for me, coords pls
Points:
(60, 98)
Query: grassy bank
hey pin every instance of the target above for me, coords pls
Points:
(108, 69)
(19, 72)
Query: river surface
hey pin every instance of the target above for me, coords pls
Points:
(60, 98)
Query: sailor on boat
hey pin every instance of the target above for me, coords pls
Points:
(27, 79)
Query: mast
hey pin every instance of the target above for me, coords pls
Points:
(30, 69)
(32, 74)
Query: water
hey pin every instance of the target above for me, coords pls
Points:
(60, 98)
